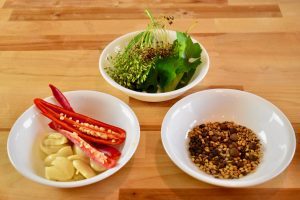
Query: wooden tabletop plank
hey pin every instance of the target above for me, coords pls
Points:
(250, 25)
(290, 8)
(5, 14)
(232, 194)
(2, 3)
(99, 41)
(99, 3)
(190, 11)
(251, 2)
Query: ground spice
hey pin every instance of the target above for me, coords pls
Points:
(224, 149)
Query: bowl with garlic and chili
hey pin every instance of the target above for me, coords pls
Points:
(70, 147)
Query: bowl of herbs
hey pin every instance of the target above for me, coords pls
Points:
(154, 64)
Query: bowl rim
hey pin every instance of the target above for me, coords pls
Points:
(71, 184)
(226, 182)
(145, 94)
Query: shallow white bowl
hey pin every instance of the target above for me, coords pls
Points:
(119, 43)
(31, 127)
(266, 120)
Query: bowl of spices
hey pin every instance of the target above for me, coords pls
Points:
(229, 138)
(155, 64)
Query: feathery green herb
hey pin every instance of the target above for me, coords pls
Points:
(132, 66)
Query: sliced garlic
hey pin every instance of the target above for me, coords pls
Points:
(96, 166)
(51, 149)
(55, 135)
(83, 168)
(62, 170)
(79, 152)
(63, 152)
(78, 177)
(57, 141)
(77, 157)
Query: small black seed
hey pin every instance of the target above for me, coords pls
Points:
(215, 152)
(201, 125)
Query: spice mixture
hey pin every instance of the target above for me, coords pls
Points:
(224, 149)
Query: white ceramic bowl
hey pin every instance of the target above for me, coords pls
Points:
(266, 120)
(31, 127)
(121, 42)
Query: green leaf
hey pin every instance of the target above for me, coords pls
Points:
(186, 48)
(166, 69)
(188, 75)
(151, 84)
(176, 72)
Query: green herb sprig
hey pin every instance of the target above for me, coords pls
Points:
(150, 63)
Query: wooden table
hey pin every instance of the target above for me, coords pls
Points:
(253, 45)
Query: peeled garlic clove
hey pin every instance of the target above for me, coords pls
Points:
(64, 152)
(79, 152)
(55, 141)
(77, 157)
(48, 160)
(53, 173)
(77, 177)
(96, 166)
(55, 135)
(62, 169)
(51, 149)
(83, 168)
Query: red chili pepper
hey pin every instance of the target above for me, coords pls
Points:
(87, 128)
(61, 99)
(109, 151)
(96, 155)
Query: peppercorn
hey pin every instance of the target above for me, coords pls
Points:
(233, 137)
(234, 152)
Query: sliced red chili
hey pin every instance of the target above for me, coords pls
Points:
(96, 155)
(87, 128)
(108, 150)
(60, 97)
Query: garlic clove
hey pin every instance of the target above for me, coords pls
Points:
(83, 168)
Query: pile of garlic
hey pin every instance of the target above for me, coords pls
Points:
(66, 162)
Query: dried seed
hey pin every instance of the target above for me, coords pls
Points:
(252, 145)
(201, 125)
(234, 137)
(232, 130)
(214, 138)
(234, 152)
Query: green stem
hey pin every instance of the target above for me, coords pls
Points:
(191, 27)
(150, 16)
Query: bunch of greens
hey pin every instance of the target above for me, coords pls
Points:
(150, 63)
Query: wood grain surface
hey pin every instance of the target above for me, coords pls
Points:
(254, 45)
